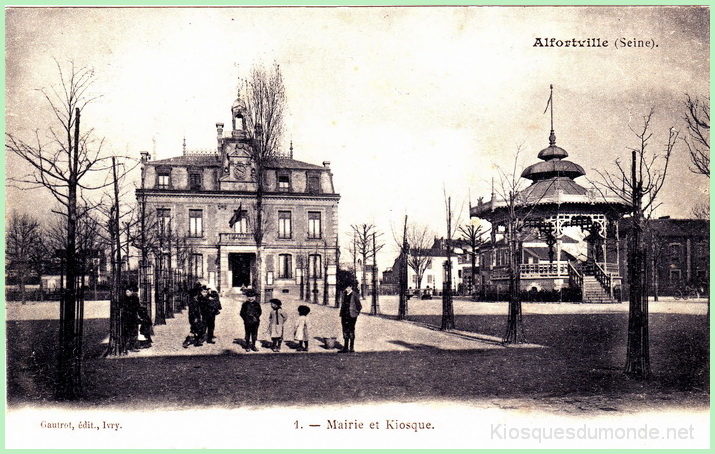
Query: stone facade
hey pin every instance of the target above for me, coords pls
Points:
(198, 196)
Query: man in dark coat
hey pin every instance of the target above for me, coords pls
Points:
(251, 315)
(349, 311)
(130, 319)
(196, 323)
(210, 308)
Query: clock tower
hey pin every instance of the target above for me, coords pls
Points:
(238, 169)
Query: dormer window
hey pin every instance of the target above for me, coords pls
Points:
(163, 179)
(313, 183)
(284, 183)
(195, 181)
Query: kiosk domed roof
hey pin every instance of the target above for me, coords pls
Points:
(551, 152)
(551, 169)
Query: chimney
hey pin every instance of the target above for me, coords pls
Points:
(145, 156)
(326, 164)
(219, 134)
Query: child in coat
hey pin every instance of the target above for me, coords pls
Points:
(301, 328)
(276, 323)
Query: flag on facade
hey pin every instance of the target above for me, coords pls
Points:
(236, 218)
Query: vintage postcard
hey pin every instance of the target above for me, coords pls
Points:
(357, 227)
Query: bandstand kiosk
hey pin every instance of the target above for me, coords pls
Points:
(566, 234)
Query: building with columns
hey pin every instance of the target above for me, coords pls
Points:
(203, 205)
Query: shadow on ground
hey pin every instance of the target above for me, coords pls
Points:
(583, 360)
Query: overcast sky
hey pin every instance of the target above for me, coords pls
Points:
(406, 103)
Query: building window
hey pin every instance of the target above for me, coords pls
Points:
(283, 183)
(315, 264)
(196, 223)
(675, 253)
(430, 279)
(313, 183)
(241, 226)
(674, 276)
(196, 265)
(429, 264)
(163, 219)
(314, 225)
(285, 266)
(163, 180)
(195, 181)
(284, 225)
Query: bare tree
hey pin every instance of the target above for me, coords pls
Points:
(61, 162)
(510, 190)
(420, 238)
(265, 105)
(639, 187)
(473, 238)
(363, 248)
(404, 253)
(113, 213)
(447, 304)
(697, 118)
(701, 210)
(22, 238)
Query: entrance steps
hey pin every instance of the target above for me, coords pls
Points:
(593, 291)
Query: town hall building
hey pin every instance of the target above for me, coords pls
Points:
(207, 199)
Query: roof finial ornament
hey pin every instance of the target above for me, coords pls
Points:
(550, 102)
(184, 144)
(291, 149)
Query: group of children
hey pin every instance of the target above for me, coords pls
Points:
(204, 306)
(251, 313)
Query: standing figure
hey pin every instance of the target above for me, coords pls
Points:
(349, 311)
(196, 322)
(210, 308)
(251, 315)
(301, 328)
(276, 323)
(145, 328)
(130, 319)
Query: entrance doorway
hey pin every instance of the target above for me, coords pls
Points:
(241, 267)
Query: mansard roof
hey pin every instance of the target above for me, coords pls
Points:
(214, 160)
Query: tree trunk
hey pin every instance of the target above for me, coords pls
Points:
(473, 289)
(447, 305)
(117, 339)
(337, 272)
(363, 279)
(69, 386)
(374, 310)
(515, 327)
(637, 353)
(22, 285)
(158, 294)
(258, 233)
(325, 280)
(402, 306)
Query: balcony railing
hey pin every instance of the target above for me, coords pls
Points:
(543, 270)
